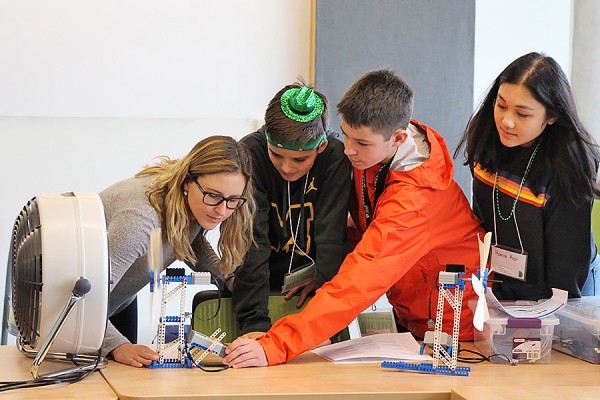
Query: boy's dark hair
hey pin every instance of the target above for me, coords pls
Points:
(284, 129)
(567, 149)
(380, 100)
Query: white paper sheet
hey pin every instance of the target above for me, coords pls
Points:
(558, 301)
(374, 348)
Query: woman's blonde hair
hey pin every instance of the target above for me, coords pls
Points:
(213, 155)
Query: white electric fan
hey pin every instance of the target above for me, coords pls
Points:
(60, 280)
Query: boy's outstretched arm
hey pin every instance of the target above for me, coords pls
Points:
(242, 353)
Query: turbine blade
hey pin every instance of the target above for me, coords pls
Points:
(477, 285)
(481, 314)
(155, 262)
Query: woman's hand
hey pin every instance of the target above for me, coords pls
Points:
(244, 353)
(136, 355)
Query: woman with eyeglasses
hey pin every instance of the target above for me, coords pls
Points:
(185, 198)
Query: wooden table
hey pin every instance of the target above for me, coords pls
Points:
(525, 393)
(14, 366)
(310, 375)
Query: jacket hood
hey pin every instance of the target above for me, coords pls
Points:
(411, 163)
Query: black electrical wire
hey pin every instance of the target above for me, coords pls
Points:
(213, 368)
(69, 378)
(482, 358)
(208, 367)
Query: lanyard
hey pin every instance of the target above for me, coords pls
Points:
(295, 235)
(513, 211)
(379, 185)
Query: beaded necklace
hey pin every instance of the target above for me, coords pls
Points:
(514, 205)
(378, 190)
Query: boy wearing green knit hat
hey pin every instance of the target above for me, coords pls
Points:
(302, 183)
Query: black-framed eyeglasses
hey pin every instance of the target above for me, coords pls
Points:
(214, 199)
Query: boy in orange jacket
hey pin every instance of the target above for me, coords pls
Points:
(412, 219)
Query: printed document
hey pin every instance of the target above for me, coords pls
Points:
(374, 348)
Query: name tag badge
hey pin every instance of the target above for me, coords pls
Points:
(509, 262)
(299, 277)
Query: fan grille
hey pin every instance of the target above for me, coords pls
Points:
(27, 272)
(58, 239)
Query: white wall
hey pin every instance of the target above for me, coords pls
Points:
(159, 59)
(508, 29)
(93, 90)
(586, 63)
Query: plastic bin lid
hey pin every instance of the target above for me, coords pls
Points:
(585, 309)
(502, 318)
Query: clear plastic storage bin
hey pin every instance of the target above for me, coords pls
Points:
(524, 340)
(579, 331)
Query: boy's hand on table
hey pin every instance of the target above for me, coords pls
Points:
(244, 352)
(253, 335)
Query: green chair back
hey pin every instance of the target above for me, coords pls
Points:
(208, 316)
(206, 319)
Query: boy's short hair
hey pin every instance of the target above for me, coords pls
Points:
(286, 130)
(380, 100)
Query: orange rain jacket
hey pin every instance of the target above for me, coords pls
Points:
(422, 221)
